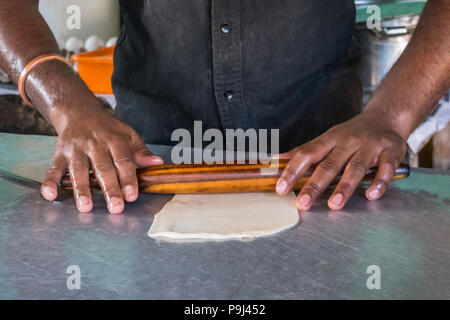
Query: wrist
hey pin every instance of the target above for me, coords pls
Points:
(64, 115)
(59, 94)
(387, 113)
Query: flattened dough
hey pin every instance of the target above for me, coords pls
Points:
(224, 216)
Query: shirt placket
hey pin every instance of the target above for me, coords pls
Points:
(227, 63)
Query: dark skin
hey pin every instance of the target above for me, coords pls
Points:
(377, 137)
(112, 149)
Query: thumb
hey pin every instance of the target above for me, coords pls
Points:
(143, 157)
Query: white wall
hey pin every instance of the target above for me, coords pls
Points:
(99, 17)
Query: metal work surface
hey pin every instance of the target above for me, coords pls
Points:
(326, 256)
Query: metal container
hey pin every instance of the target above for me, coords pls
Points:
(381, 48)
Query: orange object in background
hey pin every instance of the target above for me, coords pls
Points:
(96, 68)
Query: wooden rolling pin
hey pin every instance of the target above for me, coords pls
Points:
(219, 178)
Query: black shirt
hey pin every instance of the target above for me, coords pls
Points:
(272, 64)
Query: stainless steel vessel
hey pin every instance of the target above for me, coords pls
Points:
(381, 48)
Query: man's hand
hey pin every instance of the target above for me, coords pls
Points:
(88, 136)
(377, 136)
(111, 148)
(354, 146)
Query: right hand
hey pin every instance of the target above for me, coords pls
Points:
(110, 147)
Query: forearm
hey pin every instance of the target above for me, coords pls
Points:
(421, 76)
(25, 35)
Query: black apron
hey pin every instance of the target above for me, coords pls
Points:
(286, 64)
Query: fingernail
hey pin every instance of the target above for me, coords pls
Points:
(83, 202)
(157, 159)
(281, 186)
(304, 201)
(49, 192)
(374, 193)
(337, 199)
(129, 192)
(115, 203)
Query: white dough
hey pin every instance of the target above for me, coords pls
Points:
(224, 216)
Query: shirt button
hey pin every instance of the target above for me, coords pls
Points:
(225, 28)
(228, 95)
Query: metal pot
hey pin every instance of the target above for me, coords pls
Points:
(381, 48)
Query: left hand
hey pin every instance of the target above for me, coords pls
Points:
(354, 146)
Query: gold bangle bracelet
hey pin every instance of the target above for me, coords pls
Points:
(29, 67)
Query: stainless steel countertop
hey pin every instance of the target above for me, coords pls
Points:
(326, 256)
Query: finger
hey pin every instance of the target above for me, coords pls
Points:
(126, 170)
(301, 159)
(284, 156)
(49, 188)
(353, 174)
(388, 163)
(142, 156)
(106, 175)
(323, 175)
(79, 175)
